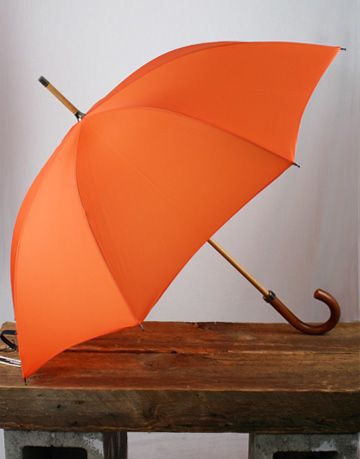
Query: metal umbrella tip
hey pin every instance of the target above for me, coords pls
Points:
(44, 81)
(342, 49)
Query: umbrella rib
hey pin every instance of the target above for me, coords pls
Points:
(94, 238)
(194, 118)
(213, 125)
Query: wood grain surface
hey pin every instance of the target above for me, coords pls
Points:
(193, 377)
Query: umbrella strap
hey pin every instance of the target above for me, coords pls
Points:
(9, 361)
(12, 346)
(8, 342)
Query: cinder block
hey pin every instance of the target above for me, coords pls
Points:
(24, 444)
(301, 446)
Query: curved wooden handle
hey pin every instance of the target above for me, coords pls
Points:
(309, 329)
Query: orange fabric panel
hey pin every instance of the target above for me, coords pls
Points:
(63, 291)
(156, 185)
(255, 90)
(152, 171)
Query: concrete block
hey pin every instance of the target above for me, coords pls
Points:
(301, 446)
(24, 444)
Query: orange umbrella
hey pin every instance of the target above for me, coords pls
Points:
(143, 181)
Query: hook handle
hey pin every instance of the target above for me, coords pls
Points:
(309, 329)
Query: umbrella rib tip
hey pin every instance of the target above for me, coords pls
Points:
(342, 49)
(296, 164)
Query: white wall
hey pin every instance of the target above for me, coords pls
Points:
(299, 234)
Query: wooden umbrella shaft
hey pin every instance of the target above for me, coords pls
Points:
(239, 268)
(78, 114)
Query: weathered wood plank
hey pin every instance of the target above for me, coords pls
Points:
(210, 377)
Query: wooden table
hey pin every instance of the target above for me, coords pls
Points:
(193, 377)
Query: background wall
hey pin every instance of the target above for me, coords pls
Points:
(299, 234)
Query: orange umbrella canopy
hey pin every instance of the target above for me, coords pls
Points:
(141, 183)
